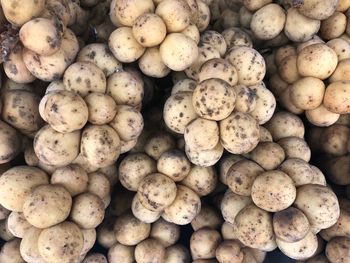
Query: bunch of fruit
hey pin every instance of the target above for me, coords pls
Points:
(168, 131)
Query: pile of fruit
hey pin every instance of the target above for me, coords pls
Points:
(174, 131)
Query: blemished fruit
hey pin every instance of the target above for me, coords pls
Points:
(124, 123)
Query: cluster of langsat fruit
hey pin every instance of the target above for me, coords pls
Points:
(161, 35)
(331, 145)
(223, 96)
(308, 71)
